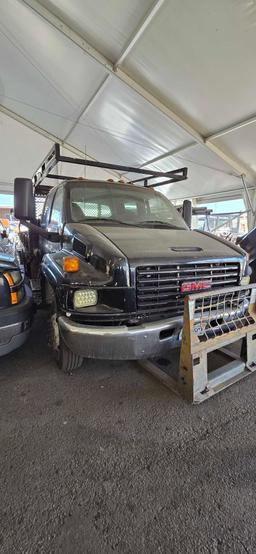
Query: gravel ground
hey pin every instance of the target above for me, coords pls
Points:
(108, 460)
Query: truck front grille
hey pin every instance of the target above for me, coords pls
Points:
(159, 286)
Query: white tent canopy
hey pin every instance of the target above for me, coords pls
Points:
(161, 84)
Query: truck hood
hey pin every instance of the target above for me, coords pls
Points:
(147, 245)
(110, 251)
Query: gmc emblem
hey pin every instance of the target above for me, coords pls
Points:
(192, 286)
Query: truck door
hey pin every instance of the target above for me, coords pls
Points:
(53, 221)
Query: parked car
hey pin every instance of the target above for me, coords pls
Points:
(16, 305)
(116, 261)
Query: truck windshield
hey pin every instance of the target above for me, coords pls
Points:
(122, 204)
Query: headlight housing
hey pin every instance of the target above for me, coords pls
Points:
(15, 282)
(83, 298)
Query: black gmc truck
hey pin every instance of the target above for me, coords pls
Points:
(114, 261)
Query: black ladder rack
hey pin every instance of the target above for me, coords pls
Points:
(54, 157)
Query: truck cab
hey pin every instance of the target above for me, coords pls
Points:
(116, 261)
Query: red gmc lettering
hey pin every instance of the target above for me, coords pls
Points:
(195, 285)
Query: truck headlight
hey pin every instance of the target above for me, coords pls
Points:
(84, 298)
(245, 280)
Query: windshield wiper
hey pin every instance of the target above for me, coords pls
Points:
(158, 222)
(110, 220)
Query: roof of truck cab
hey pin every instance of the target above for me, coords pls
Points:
(100, 182)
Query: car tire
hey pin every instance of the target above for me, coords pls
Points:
(66, 360)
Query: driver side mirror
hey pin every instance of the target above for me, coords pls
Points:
(24, 200)
(187, 212)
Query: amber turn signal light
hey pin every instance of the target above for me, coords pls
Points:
(14, 298)
(71, 264)
(10, 281)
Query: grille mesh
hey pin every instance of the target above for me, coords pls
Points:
(159, 286)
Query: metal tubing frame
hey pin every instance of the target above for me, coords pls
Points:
(54, 157)
(193, 381)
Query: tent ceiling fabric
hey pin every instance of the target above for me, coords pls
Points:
(207, 174)
(199, 55)
(44, 77)
(242, 143)
(194, 58)
(122, 127)
(107, 25)
(21, 151)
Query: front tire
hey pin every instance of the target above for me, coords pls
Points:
(66, 360)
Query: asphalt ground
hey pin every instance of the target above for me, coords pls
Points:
(108, 460)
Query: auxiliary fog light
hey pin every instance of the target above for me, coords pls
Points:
(84, 298)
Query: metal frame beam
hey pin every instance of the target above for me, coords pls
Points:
(231, 128)
(89, 104)
(168, 154)
(143, 24)
(232, 193)
(159, 104)
(54, 156)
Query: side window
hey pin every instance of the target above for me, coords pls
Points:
(46, 212)
(57, 208)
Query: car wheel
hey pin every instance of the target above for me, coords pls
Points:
(66, 360)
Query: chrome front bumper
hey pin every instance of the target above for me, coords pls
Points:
(121, 343)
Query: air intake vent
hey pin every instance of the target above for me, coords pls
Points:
(79, 247)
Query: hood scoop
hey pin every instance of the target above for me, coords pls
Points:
(186, 248)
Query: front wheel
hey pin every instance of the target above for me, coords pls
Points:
(66, 359)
